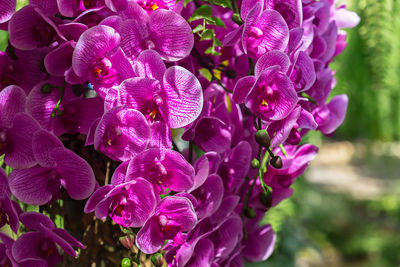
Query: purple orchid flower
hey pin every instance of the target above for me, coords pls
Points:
(173, 95)
(58, 110)
(172, 216)
(128, 204)
(163, 31)
(270, 94)
(9, 209)
(58, 167)
(122, 133)
(6, 257)
(29, 28)
(259, 244)
(41, 246)
(97, 58)
(168, 170)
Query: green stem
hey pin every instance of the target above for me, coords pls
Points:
(283, 150)
(57, 107)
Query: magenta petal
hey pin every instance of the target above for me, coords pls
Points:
(202, 168)
(149, 65)
(182, 173)
(59, 60)
(183, 96)
(12, 101)
(247, 5)
(212, 134)
(242, 88)
(209, 196)
(260, 244)
(181, 208)
(20, 154)
(78, 176)
(337, 112)
(160, 135)
(60, 241)
(38, 193)
(227, 206)
(233, 37)
(275, 30)
(67, 237)
(72, 31)
(270, 59)
(249, 21)
(42, 144)
(97, 196)
(7, 9)
(118, 176)
(122, 133)
(133, 35)
(34, 221)
(149, 239)
(93, 44)
(203, 254)
(28, 245)
(136, 92)
(280, 130)
(171, 35)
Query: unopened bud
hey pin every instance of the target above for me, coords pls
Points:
(255, 163)
(262, 138)
(249, 212)
(127, 241)
(276, 162)
(46, 88)
(126, 262)
(158, 260)
(266, 199)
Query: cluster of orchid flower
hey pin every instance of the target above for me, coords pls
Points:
(243, 86)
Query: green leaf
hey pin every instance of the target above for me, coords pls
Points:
(198, 28)
(202, 12)
(206, 74)
(217, 42)
(215, 21)
(223, 3)
(208, 34)
(209, 50)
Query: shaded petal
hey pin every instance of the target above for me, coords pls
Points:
(59, 60)
(42, 144)
(78, 176)
(260, 244)
(35, 221)
(227, 206)
(97, 196)
(242, 88)
(209, 196)
(32, 186)
(180, 209)
(20, 154)
(211, 134)
(133, 37)
(203, 254)
(12, 101)
(183, 96)
(161, 136)
(67, 237)
(60, 241)
(171, 35)
(275, 30)
(247, 5)
(136, 92)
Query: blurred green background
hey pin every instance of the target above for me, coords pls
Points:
(345, 210)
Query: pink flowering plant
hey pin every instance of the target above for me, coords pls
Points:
(159, 132)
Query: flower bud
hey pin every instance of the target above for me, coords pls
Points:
(276, 162)
(255, 163)
(127, 241)
(46, 88)
(126, 262)
(262, 138)
(158, 260)
(266, 199)
(249, 212)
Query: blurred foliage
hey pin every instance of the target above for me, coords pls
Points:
(319, 228)
(369, 72)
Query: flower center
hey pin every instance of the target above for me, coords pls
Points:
(151, 109)
(168, 226)
(114, 140)
(43, 33)
(269, 100)
(104, 71)
(254, 39)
